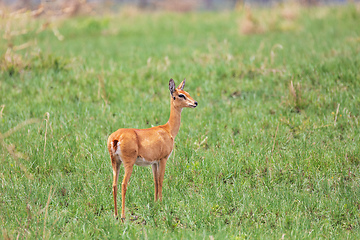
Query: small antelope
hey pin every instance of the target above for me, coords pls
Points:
(144, 147)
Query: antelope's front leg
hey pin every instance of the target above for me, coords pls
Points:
(162, 166)
(155, 169)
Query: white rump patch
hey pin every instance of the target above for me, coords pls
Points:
(118, 149)
(116, 153)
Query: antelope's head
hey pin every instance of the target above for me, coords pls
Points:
(180, 98)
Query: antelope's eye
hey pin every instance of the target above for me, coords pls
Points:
(182, 96)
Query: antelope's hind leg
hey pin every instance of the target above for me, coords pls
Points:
(128, 166)
(116, 163)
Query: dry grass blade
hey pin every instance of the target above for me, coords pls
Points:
(19, 126)
(11, 59)
(16, 155)
(23, 46)
(295, 97)
(102, 91)
(336, 114)
(277, 129)
(2, 109)
(46, 127)
(46, 211)
(292, 90)
(57, 34)
(11, 148)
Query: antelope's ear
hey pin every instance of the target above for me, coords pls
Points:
(182, 85)
(171, 86)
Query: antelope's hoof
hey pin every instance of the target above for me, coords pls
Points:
(122, 219)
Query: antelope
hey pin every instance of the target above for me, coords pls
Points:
(144, 147)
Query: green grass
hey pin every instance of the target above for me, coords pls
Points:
(258, 158)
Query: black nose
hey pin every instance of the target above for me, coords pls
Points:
(195, 103)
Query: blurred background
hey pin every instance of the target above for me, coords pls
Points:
(86, 6)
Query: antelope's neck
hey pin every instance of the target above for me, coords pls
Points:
(174, 120)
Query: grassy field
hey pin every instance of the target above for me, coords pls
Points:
(271, 152)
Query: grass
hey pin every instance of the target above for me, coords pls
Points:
(272, 150)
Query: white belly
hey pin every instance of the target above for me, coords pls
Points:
(143, 162)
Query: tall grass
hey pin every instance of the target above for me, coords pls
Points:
(272, 150)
